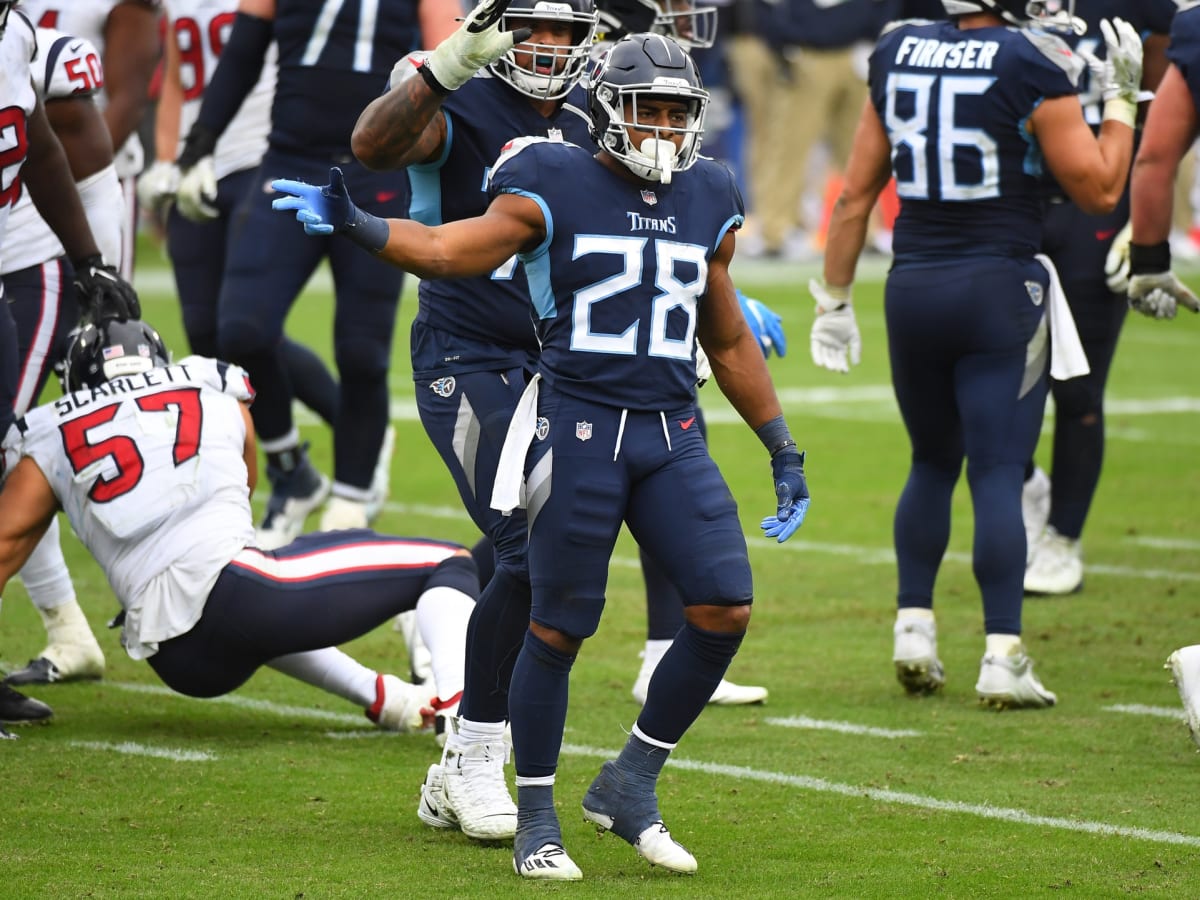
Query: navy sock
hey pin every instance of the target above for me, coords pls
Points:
(537, 706)
(537, 822)
(495, 636)
(685, 680)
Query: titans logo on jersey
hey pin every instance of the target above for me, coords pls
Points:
(491, 311)
(955, 111)
(616, 284)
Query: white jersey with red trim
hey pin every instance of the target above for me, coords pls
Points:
(65, 67)
(201, 28)
(17, 101)
(149, 469)
(88, 19)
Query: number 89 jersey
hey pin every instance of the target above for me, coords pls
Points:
(955, 105)
(149, 469)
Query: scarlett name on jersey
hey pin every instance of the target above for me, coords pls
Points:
(126, 384)
(927, 53)
(638, 222)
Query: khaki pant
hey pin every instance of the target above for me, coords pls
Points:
(816, 95)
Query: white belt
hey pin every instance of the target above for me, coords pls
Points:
(1067, 359)
(509, 490)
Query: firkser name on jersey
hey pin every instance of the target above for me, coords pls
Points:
(926, 53)
(126, 384)
(638, 222)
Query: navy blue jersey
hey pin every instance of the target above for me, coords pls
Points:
(616, 284)
(1146, 16)
(491, 310)
(955, 106)
(1184, 50)
(333, 55)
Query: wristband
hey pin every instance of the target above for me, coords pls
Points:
(368, 231)
(430, 79)
(201, 142)
(775, 436)
(1145, 259)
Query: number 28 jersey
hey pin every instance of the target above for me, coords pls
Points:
(150, 472)
(955, 105)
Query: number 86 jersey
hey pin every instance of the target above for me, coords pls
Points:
(955, 105)
(149, 469)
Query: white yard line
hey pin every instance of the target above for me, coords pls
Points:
(841, 727)
(131, 749)
(1140, 709)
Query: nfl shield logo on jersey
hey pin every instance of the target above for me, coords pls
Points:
(542, 428)
(649, 198)
(443, 387)
(583, 431)
(1034, 290)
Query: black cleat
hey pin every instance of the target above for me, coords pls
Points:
(16, 708)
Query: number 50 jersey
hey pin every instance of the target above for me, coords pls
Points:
(956, 105)
(149, 470)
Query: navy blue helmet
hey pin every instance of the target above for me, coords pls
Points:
(547, 71)
(1054, 14)
(98, 353)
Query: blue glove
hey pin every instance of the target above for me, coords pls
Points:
(765, 324)
(329, 209)
(791, 491)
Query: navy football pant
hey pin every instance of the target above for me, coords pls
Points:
(466, 417)
(958, 336)
(270, 260)
(198, 251)
(321, 590)
(1078, 244)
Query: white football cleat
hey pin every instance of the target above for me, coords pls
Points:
(432, 809)
(72, 652)
(399, 705)
(915, 656)
(1008, 682)
(1185, 672)
(1035, 508)
(341, 514)
(475, 792)
(293, 496)
(381, 481)
(726, 694)
(548, 862)
(1055, 566)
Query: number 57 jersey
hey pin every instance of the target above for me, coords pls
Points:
(149, 469)
(955, 105)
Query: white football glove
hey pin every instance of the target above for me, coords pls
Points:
(1119, 75)
(1116, 264)
(1159, 295)
(478, 42)
(834, 333)
(197, 192)
(157, 185)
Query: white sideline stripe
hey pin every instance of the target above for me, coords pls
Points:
(981, 810)
(842, 727)
(297, 712)
(1140, 709)
(866, 555)
(132, 749)
(1165, 543)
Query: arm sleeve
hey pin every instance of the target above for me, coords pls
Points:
(237, 73)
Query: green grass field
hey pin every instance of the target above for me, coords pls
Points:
(840, 786)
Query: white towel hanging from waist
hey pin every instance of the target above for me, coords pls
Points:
(509, 490)
(1067, 359)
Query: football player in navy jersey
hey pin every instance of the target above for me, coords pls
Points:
(1172, 126)
(1055, 507)
(332, 58)
(627, 254)
(966, 114)
(473, 350)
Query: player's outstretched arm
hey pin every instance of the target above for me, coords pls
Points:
(467, 247)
